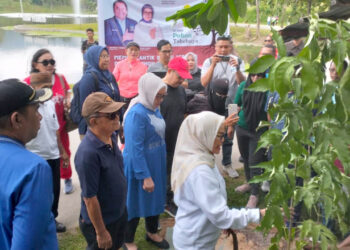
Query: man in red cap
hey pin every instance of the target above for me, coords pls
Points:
(173, 109)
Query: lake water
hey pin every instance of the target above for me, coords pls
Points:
(17, 50)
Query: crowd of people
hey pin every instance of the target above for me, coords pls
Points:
(149, 136)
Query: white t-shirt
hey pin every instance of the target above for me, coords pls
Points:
(45, 144)
(203, 211)
(223, 70)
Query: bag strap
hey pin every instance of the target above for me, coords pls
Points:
(95, 80)
(62, 84)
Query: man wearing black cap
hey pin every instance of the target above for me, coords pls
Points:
(26, 180)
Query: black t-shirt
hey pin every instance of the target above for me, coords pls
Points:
(85, 45)
(195, 84)
(173, 109)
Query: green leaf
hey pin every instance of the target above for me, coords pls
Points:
(345, 89)
(232, 11)
(220, 23)
(340, 55)
(308, 79)
(326, 98)
(282, 52)
(315, 234)
(186, 13)
(262, 64)
(214, 12)
(203, 21)
(260, 85)
(327, 205)
(241, 7)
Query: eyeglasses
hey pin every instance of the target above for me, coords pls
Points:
(47, 62)
(261, 75)
(268, 40)
(104, 56)
(110, 116)
(220, 136)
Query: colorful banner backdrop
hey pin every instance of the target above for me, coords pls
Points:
(143, 21)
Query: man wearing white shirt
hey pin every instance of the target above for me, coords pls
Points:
(223, 64)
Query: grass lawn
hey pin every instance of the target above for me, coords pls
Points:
(74, 240)
(247, 52)
(71, 26)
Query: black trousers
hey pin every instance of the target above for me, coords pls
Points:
(151, 227)
(247, 144)
(169, 164)
(56, 180)
(115, 229)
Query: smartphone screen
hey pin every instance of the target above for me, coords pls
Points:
(232, 108)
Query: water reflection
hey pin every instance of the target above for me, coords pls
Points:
(16, 51)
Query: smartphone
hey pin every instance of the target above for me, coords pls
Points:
(224, 58)
(232, 108)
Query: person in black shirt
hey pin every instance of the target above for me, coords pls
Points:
(88, 43)
(173, 109)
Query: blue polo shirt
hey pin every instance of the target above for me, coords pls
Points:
(26, 196)
(101, 173)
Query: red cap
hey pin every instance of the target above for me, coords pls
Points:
(180, 65)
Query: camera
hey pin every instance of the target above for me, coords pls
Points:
(224, 58)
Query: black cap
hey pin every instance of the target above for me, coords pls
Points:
(133, 44)
(15, 94)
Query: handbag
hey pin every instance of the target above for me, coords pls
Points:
(70, 125)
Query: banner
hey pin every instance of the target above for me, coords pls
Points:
(143, 21)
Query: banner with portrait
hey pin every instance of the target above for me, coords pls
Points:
(143, 21)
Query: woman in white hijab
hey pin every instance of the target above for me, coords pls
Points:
(145, 160)
(199, 189)
(193, 84)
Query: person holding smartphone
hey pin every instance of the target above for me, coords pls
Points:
(224, 65)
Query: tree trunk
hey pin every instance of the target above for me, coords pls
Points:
(257, 18)
(309, 7)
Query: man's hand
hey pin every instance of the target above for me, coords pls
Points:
(185, 84)
(148, 184)
(104, 240)
(215, 59)
(128, 36)
(231, 120)
(233, 62)
(262, 212)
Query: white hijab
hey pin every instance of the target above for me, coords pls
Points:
(194, 145)
(195, 57)
(149, 86)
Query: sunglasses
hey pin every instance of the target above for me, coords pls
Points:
(268, 40)
(110, 116)
(47, 62)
